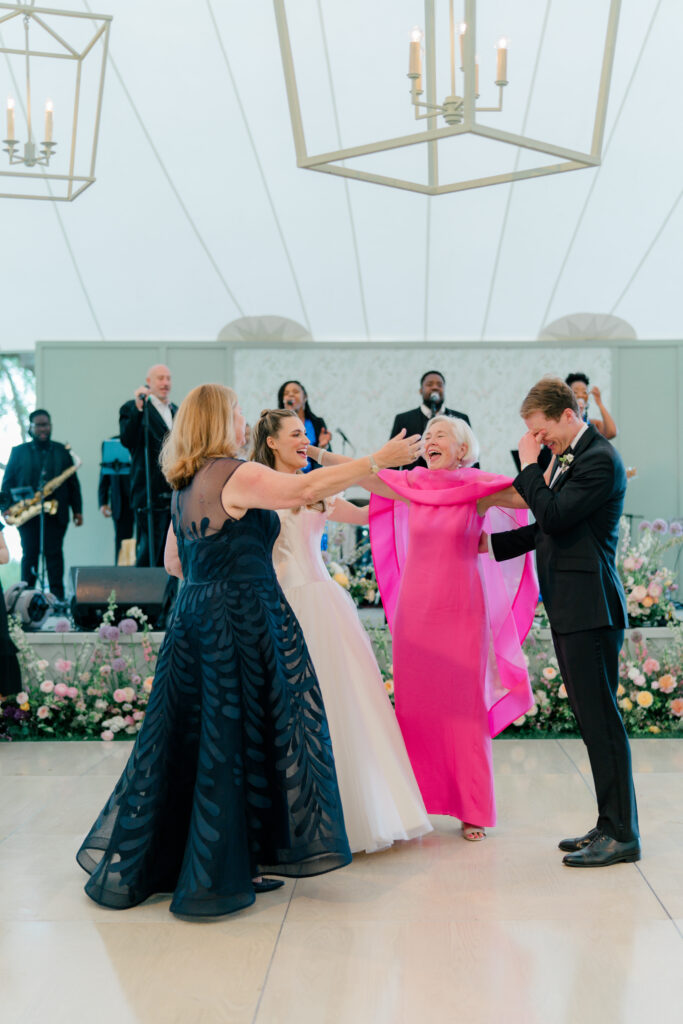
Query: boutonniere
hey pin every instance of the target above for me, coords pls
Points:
(565, 460)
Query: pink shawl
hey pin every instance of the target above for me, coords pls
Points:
(510, 588)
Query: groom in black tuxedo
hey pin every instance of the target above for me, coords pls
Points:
(575, 536)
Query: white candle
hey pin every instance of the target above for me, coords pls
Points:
(10, 118)
(502, 63)
(415, 60)
(49, 108)
(463, 29)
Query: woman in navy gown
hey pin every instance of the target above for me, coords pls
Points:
(232, 773)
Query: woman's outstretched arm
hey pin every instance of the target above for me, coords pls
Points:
(509, 497)
(255, 486)
(369, 483)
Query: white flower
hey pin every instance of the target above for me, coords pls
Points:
(21, 698)
(633, 672)
(101, 705)
(42, 664)
(533, 710)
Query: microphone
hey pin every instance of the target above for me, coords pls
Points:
(435, 402)
(289, 402)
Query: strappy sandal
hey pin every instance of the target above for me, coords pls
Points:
(473, 833)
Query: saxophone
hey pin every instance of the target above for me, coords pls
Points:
(27, 508)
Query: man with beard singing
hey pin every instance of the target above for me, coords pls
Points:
(433, 396)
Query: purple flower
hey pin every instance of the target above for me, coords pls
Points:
(676, 528)
(8, 712)
(636, 636)
(19, 715)
(128, 626)
(62, 626)
(644, 525)
(660, 526)
(108, 632)
(118, 664)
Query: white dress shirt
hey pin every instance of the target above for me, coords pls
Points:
(164, 410)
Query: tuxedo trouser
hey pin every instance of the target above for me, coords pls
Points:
(589, 665)
(53, 549)
(160, 524)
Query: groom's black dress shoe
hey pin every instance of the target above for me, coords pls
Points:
(603, 851)
(570, 845)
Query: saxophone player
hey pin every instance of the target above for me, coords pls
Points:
(32, 466)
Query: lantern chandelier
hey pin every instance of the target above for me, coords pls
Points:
(459, 112)
(41, 38)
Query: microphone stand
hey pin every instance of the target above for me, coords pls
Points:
(148, 484)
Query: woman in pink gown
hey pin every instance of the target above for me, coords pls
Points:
(457, 621)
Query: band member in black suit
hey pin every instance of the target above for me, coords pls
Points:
(113, 496)
(33, 465)
(433, 395)
(575, 536)
(160, 412)
(10, 672)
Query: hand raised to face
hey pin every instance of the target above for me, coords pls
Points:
(529, 448)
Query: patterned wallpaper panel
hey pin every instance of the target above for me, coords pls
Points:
(360, 389)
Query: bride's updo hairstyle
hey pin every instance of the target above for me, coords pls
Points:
(269, 425)
(462, 434)
(203, 429)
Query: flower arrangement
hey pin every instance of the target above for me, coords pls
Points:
(649, 585)
(360, 582)
(650, 693)
(101, 693)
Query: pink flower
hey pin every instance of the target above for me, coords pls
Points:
(61, 690)
(650, 666)
(135, 680)
(62, 626)
(138, 716)
(660, 526)
(638, 593)
(107, 736)
(655, 589)
(128, 719)
(667, 684)
(62, 665)
(105, 670)
(72, 692)
(677, 707)
(47, 686)
(629, 563)
(43, 711)
(120, 696)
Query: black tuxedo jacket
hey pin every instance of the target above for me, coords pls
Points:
(575, 536)
(132, 436)
(28, 462)
(415, 422)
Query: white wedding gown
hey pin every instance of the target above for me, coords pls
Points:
(379, 794)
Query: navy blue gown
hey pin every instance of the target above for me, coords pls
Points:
(232, 773)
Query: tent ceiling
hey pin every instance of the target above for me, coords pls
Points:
(199, 215)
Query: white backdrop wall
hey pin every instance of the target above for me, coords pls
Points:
(361, 386)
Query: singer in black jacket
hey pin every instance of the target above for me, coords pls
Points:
(433, 395)
(160, 412)
(575, 537)
(33, 465)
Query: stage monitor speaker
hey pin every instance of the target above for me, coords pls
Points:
(92, 585)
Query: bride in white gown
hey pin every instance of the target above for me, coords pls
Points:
(380, 797)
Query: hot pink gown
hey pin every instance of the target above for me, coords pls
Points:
(458, 621)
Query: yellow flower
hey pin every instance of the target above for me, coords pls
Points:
(626, 704)
(147, 684)
(645, 698)
(342, 579)
(654, 729)
(25, 707)
(620, 690)
(389, 686)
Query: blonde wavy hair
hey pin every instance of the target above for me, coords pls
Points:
(203, 429)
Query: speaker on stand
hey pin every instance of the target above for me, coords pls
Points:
(132, 586)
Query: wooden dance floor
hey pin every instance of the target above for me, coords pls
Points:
(433, 931)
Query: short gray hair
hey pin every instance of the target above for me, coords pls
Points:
(462, 433)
